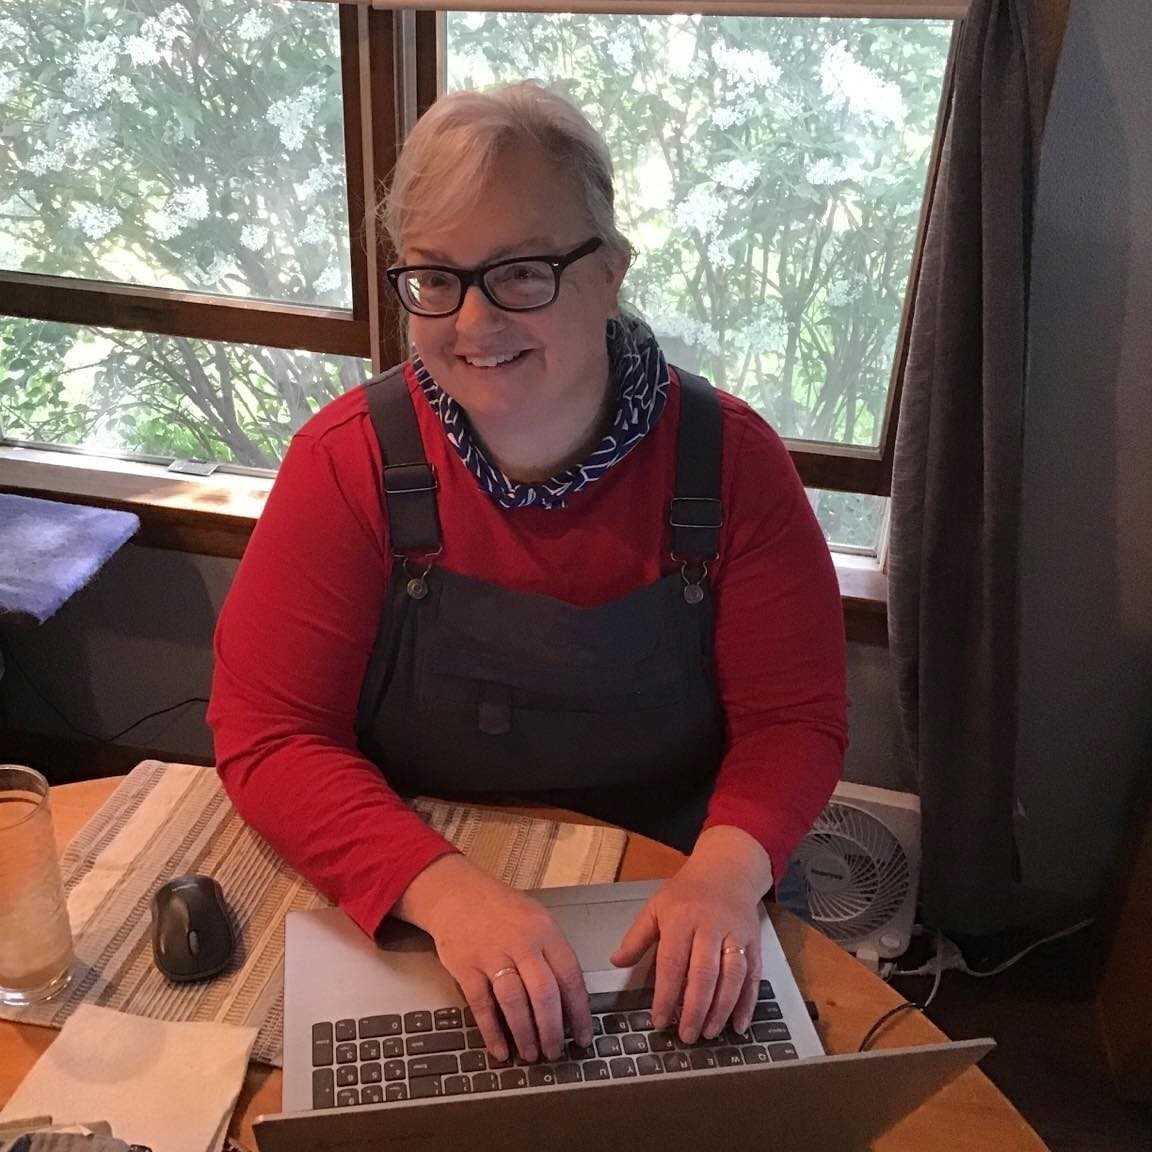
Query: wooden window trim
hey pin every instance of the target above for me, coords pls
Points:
(215, 515)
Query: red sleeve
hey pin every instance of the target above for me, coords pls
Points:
(779, 652)
(291, 647)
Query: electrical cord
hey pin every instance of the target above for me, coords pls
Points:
(959, 965)
(11, 659)
(908, 1005)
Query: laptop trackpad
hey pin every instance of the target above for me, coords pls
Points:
(596, 930)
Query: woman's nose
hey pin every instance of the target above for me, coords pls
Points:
(478, 313)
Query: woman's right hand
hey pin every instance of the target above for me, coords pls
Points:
(508, 955)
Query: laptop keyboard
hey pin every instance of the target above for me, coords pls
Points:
(440, 1052)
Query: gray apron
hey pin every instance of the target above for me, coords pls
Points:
(475, 692)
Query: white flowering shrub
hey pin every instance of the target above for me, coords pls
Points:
(769, 173)
(196, 146)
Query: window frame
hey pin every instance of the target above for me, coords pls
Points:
(392, 65)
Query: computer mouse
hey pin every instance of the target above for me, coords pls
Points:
(191, 930)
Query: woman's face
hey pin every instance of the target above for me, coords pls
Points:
(558, 356)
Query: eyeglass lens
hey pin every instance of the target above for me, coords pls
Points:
(519, 285)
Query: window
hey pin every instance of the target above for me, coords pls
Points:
(190, 263)
(177, 173)
(770, 173)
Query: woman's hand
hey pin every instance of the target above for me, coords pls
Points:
(706, 922)
(508, 955)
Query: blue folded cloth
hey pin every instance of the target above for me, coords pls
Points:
(49, 550)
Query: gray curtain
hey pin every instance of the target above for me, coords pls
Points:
(956, 485)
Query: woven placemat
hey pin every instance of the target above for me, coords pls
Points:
(165, 820)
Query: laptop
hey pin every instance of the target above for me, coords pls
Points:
(381, 1055)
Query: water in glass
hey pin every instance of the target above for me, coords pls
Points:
(35, 936)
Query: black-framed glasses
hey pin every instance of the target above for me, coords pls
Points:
(521, 284)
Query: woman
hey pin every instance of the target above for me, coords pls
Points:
(581, 598)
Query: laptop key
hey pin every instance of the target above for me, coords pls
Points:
(765, 992)
(417, 1021)
(661, 1041)
(395, 1070)
(323, 1088)
(469, 1018)
(347, 1097)
(345, 1030)
(392, 1048)
(608, 1046)
(322, 1032)
(421, 1087)
(456, 1085)
(729, 1057)
(782, 1052)
(568, 1073)
(768, 1010)
(622, 1067)
(422, 1045)
(346, 1054)
(755, 1054)
(395, 1092)
(640, 1021)
(576, 1052)
(444, 1065)
(369, 1049)
(702, 1058)
(321, 1053)
(371, 1073)
(472, 1062)
(676, 1061)
(485, 1082)
(541, 1075)
(513, 1078)
(474, 1038)
(444, 1018)
(373, 1094)
(597, 1027)
(596, 1070)
(649, 1065)
(771, 1031)
(635, 1044)
(371, 1026)
(615, 1024)
(346, 1076)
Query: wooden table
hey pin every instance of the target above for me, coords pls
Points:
(970, 1115)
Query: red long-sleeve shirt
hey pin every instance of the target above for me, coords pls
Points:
(296, 631)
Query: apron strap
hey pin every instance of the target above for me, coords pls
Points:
(695, 513)
(409, 480)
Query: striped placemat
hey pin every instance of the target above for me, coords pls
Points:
(165, 820)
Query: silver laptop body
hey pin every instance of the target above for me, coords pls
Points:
(796, 1098)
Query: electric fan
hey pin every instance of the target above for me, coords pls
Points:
(854, 876)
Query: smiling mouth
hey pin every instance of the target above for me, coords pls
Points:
(493, 361)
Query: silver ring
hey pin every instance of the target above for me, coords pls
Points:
(503, 972)
(733, 948)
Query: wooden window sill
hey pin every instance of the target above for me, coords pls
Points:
(214, 516)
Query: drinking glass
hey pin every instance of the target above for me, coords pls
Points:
(35, 936)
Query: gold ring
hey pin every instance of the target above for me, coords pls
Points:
(503, 972)
(733, 948)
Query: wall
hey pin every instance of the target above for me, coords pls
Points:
(139, 637)
(1086, 589)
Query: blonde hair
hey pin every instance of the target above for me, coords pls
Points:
(451, 153)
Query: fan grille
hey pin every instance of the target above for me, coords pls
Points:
(853, 872)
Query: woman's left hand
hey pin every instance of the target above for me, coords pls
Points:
(705, 922)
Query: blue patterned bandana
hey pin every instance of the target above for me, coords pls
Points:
(640, 377)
